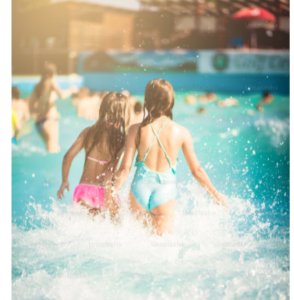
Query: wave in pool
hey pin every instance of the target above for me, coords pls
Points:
(213, 253)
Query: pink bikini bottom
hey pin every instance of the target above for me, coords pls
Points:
(91, 194)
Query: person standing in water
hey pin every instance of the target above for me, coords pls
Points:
(19, 105)
(158, 140)
(43, 109)
(267, 98)
(15, 126)
(136, 113)
(103, 144)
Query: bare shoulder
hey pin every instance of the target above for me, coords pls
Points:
(179, 129)
(134, 129)
(85, 132)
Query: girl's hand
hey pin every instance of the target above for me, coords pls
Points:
(60, 193)
(94, 211)
(220, 199)
(74, 89)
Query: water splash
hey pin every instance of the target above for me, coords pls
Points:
(212, 253)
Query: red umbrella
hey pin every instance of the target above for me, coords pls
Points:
(253, 13)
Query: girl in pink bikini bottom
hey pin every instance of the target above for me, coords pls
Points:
(103, 144)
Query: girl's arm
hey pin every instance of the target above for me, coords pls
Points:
(126, 165)
(198, 173)
(77, 146)
(66, 93)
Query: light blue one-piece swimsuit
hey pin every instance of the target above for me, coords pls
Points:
(152, 188)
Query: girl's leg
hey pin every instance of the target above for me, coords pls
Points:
(163, 217)
(51, 135)
(91, 209)
(138, 209)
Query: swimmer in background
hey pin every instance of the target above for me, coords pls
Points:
(158, 141)
(201, 110)
(15, 126)
(19, 105)
(228, 102)
(259, 107)
(103, 144)
(267, 98)
(89, 107)
(191, 99)
(136, 113)
(207, 97)
(82, 93)
(43, 109)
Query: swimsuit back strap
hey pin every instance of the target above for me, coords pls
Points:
(157, 137)
(96, 160)
(148, 150)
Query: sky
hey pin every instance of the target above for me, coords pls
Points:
(127, 4)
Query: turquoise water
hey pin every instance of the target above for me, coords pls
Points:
(59, 252)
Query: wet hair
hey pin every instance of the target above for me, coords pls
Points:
(266, 93)
(114, 118)
(201, 110)
(15, 92)
(103, 94)
(159, 100)
(48, 71)
(138, 107)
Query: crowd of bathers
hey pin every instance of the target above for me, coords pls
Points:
(40, 107)
(209, 97)
(88, 103)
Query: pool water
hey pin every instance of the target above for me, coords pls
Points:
(59, 252)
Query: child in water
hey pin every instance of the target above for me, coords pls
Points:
(158, 140)
(43, 109)
(15, 126)
(136, 113)
(19, 105)
(103, 144)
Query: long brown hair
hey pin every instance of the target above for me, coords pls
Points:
(114, 118)
(48, 71)
(159, 100)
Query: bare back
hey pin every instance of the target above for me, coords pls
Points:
(96, 170)
(171, 137)
(44, 105)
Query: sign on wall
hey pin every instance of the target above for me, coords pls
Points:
(205, 62)
(236, 62)
(137, 61)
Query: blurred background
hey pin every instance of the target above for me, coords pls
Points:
(60, 30)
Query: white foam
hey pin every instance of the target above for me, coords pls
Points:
(212, 253)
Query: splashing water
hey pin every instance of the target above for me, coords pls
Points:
(60, 252)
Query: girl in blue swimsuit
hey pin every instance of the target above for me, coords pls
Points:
(158, 140)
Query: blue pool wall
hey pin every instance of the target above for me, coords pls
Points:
(245, 73)
(234, 83)
(26, 84)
